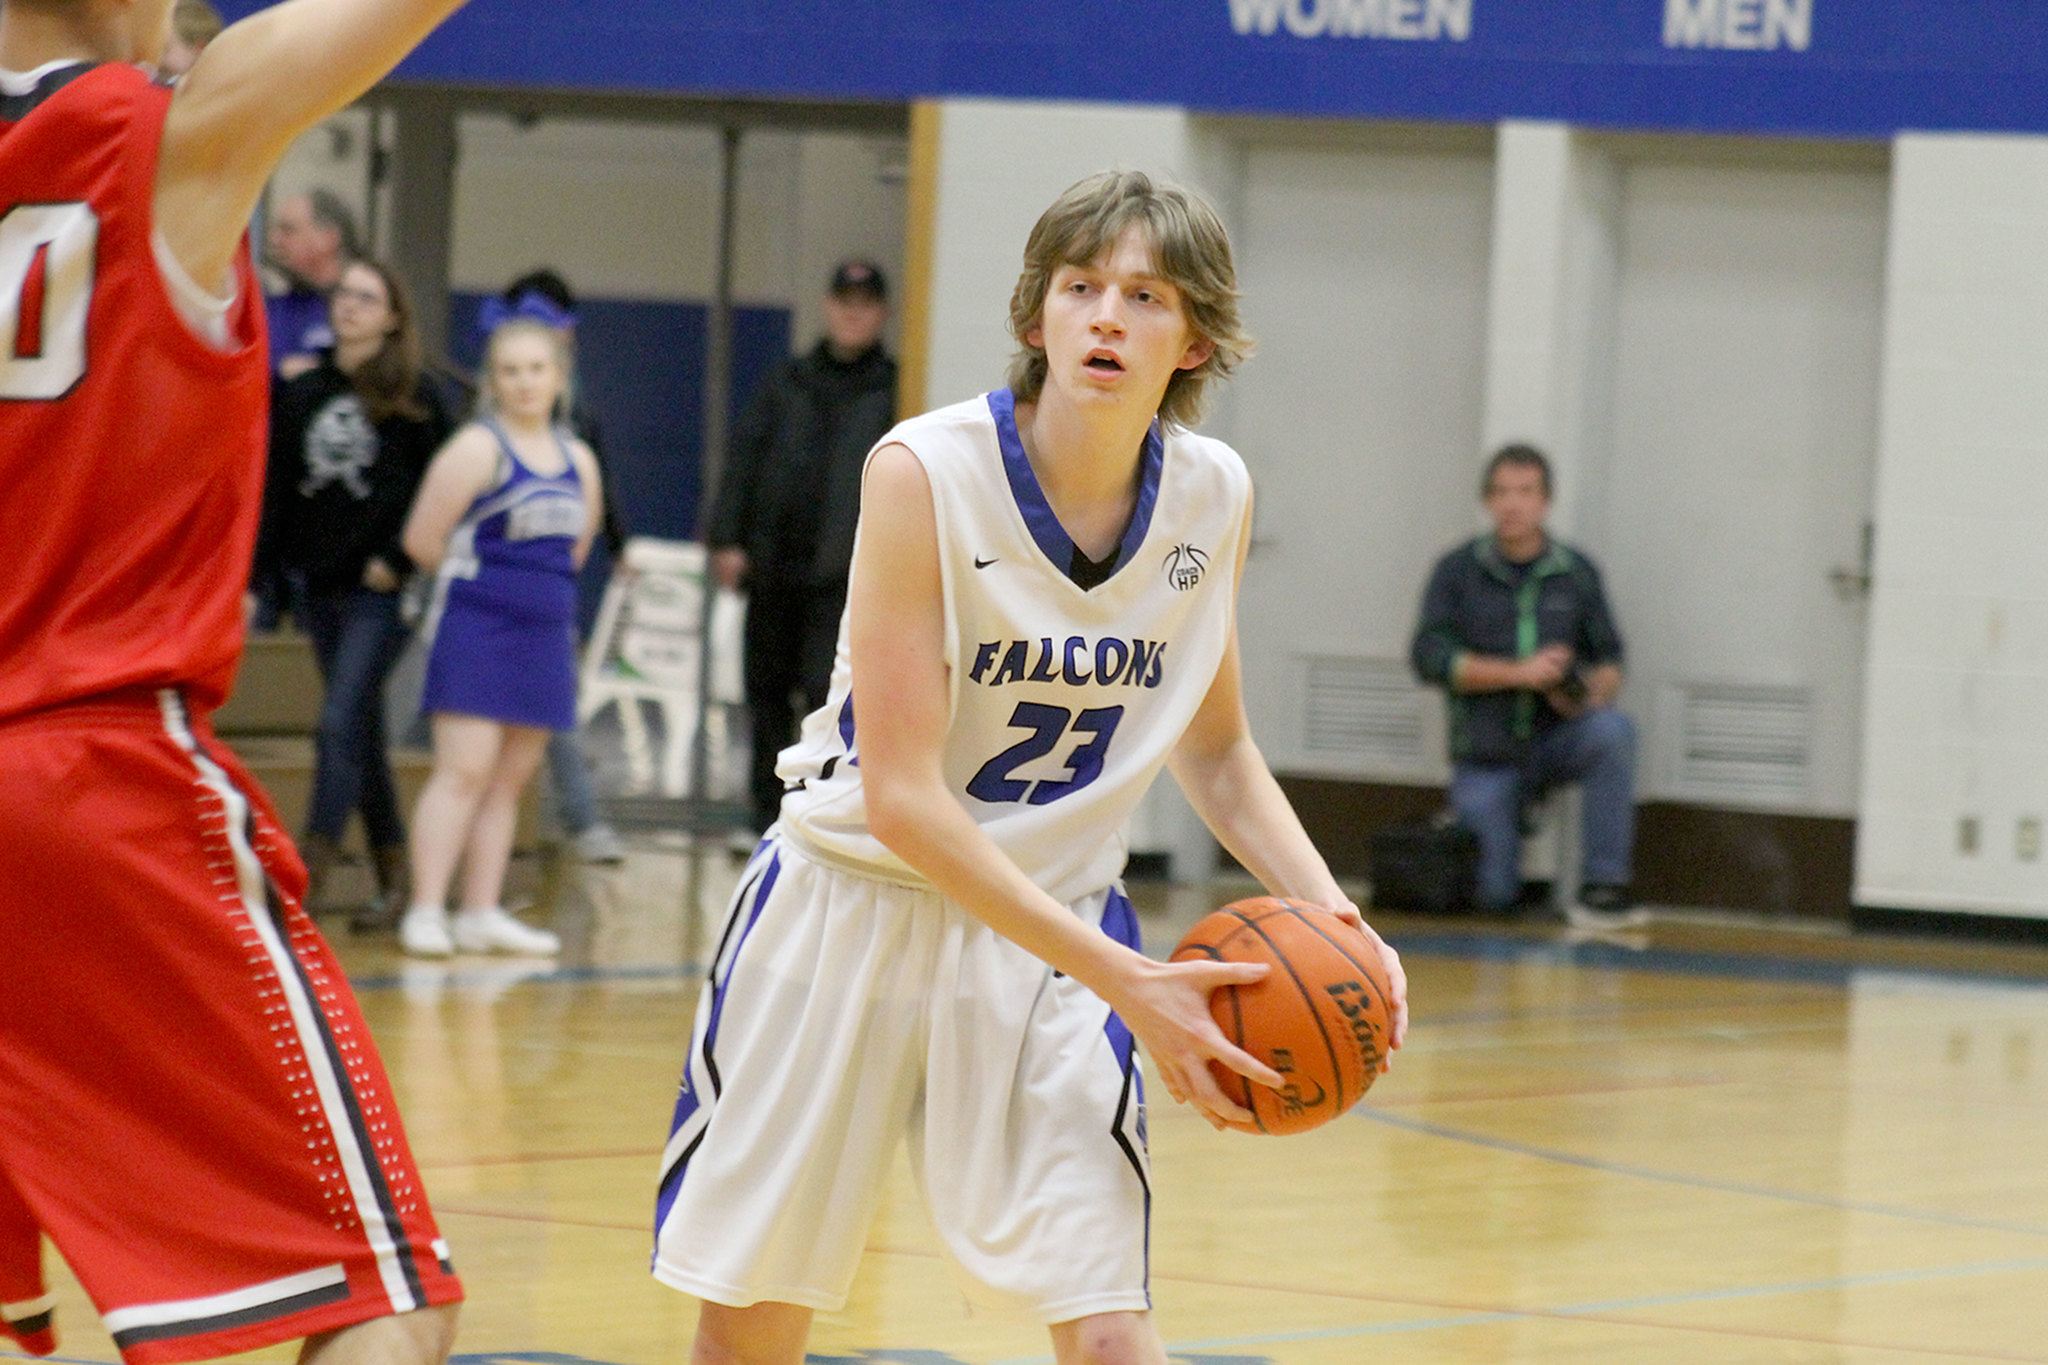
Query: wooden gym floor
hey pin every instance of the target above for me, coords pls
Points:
(1699, 1143)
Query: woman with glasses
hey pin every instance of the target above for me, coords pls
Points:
(350, 440)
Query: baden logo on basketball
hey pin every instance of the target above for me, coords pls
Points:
(1185, 566)
(1351, 998)
(1295, 1097)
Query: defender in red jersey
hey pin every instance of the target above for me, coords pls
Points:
(190, 1104)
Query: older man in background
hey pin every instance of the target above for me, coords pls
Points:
(312, 238)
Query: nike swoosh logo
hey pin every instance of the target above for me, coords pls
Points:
(981, 563)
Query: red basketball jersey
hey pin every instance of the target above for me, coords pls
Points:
(131, 451)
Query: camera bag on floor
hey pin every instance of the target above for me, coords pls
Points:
(1428, 866)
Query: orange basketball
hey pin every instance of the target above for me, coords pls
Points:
(1320, 1018)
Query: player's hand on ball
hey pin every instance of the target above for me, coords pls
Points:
(1343, 910)
(1397, 979)
(1167, 1009)
(1397, 984)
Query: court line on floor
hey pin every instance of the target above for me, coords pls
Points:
(1605, 1311)
(1562, 1092)
(1427, 1044)
(1650, 1173)
(1804, 998)
(1460, 1097)
(484, 975)
(542, 1158)
(510, 1216)
(1459, 947)
(1648, 957)
(1598, 1311)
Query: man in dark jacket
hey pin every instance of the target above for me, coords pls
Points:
(787, 506)
(1515, 627)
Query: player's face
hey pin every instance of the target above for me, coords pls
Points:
(1115, 329)
(1516, 501)
(360, 307)
(526, 378)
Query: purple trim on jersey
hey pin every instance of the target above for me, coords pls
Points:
(720, 992)
(1120, 922)
(1052, 538)
(691, 1099)
(491, 542)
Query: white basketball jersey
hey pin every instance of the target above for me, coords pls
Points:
(1065, 701)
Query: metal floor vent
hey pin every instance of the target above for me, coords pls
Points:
(1746, 744)
(1363, 713)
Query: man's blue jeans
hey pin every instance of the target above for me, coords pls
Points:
(357, 638)
(1598, 751)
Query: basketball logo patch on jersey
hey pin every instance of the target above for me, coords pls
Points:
(1185, 566)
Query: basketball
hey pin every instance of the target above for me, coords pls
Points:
(1320, 1018)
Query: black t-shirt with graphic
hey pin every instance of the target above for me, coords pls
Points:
(340, 486)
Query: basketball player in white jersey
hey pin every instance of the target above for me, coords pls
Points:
(932, 944)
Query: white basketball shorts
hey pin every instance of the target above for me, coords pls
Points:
(844, 1015)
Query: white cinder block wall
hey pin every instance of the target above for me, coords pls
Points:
(1956, 728)
(847, 200)
(1000, 164)
(1550, 332)
(1364, 270)
(623, 210)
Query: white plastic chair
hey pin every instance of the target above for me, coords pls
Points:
(646, 650)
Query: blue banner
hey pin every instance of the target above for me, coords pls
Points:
(1833, 67)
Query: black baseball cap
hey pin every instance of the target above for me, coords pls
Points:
(858, 276)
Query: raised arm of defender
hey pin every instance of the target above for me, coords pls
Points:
(255, 88)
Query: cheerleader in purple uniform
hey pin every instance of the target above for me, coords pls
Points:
(506, 515)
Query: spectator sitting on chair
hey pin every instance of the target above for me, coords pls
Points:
(311, 239)
(1516, 628)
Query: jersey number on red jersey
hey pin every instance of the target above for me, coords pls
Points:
(47, 256)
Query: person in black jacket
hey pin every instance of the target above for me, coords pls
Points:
(349, 442)
(1516, 629)
(787, 506)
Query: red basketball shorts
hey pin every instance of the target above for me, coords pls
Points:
(190, 1104)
